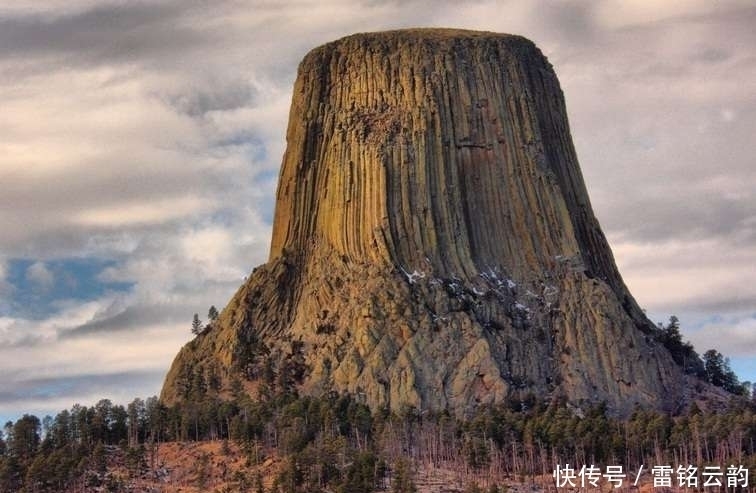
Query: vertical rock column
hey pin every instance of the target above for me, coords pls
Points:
(433, 241)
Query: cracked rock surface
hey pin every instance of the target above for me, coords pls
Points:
(433, 242)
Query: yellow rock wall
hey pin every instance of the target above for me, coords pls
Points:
(433, 242)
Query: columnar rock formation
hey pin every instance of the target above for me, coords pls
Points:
(433, 244)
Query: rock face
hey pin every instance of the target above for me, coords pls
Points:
(433, 244)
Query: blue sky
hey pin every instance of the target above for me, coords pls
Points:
(41, 288)
(140, 144)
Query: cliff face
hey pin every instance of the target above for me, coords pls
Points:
(433, 242)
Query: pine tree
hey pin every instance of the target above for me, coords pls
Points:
(402, 482)
(719, 373)
(196, 325)
(212, 313)
(100, 459)
(24, 438)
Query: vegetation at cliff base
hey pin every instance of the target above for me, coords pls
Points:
(334, 443)
(713, 367)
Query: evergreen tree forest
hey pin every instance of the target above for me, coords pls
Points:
(334, 443)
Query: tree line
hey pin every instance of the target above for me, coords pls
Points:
(335, 443)
(712, 367)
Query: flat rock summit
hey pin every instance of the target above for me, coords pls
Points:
(434, 245)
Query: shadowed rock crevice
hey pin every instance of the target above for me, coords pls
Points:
(433, 242)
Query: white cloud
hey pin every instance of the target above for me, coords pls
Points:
(19, 331)
(733, 335)
(688, 276)
(126, 214)
(38, 274)
(40, 352)
(210, 249)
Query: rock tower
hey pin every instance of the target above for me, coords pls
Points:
(433, 243)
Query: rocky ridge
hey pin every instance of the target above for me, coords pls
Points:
(434, 245)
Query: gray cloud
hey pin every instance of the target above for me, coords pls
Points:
(130, 318)
(101, 33)
(46, 389)
(684, 214)
(731, 335)
(573, 23)
(222, 97)
(140, 314)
